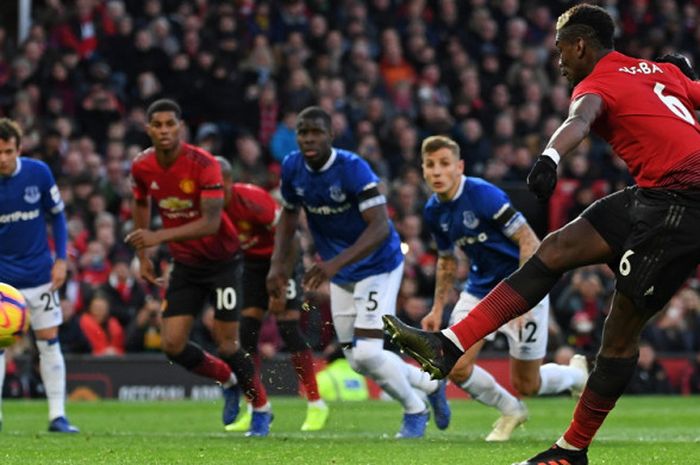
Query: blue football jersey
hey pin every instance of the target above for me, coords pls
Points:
(332, 200)
(479, 221)
(26, 198)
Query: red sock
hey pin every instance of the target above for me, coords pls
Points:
(500, 306)
(258, 395)
(590, 413)
(214, 368)
(304, 366)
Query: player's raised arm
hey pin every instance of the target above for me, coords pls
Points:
(582, 113)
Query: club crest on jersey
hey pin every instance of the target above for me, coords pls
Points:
(32, 194)
(469, 219)
(337, 193)
(299, 191)
(187, 186)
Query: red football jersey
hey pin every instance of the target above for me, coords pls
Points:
(177, 191)
(648, 119)
(254, 213)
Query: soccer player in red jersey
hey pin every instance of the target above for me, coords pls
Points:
(185, 184)
(254, 213)
(646, 233)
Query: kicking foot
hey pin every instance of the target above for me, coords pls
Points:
(435, 353)
(558, 456)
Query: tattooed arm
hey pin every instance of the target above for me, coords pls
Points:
(444, 280)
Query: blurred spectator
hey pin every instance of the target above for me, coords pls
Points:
(143, 333)
(70, 334)
(650, 376)
(124, 293)
(104, 332)
(284, 139)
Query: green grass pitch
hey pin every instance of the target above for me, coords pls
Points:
(642, 430)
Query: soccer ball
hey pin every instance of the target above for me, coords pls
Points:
(14, 317)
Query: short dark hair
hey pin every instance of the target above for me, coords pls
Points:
(588, 21)
(164, 104)
(315, 113)
(226, 168)
(10, 129)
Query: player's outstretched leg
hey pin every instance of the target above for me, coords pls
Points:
(53, 374)
(435, 353)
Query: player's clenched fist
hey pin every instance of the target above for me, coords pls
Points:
(543, 177)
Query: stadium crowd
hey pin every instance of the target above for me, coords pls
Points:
(390, 72)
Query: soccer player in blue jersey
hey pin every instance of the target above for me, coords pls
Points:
(477, 217)
(359, 248)
(29, 199)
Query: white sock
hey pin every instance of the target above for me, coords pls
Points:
(483, 387)
(449, 334)
(2, 377)
(557, 378)
(368, 357)
(53, 374)
(561, 442)
(417, 378)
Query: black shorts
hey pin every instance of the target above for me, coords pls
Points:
(190, 288)
(655, 234)
(254, 290)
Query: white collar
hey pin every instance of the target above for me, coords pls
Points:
(326, 165)
(18, 168)
(462, 183)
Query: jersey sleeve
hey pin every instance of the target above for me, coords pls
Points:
(50, 195)
(442, 240)
(594, 86)
(138, 187)
(211, 183)
(290, 200)
(361, 182)
(494, 205)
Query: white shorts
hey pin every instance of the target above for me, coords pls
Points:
(44, 306)
(362, 304)
(527, 334)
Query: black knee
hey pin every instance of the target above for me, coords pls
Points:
(610, 376)
(291, 335)
(249, 331)
(191, 356)
(533, 280)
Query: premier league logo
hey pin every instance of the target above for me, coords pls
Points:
(337, 193)
(32, 194)
(469, 219)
